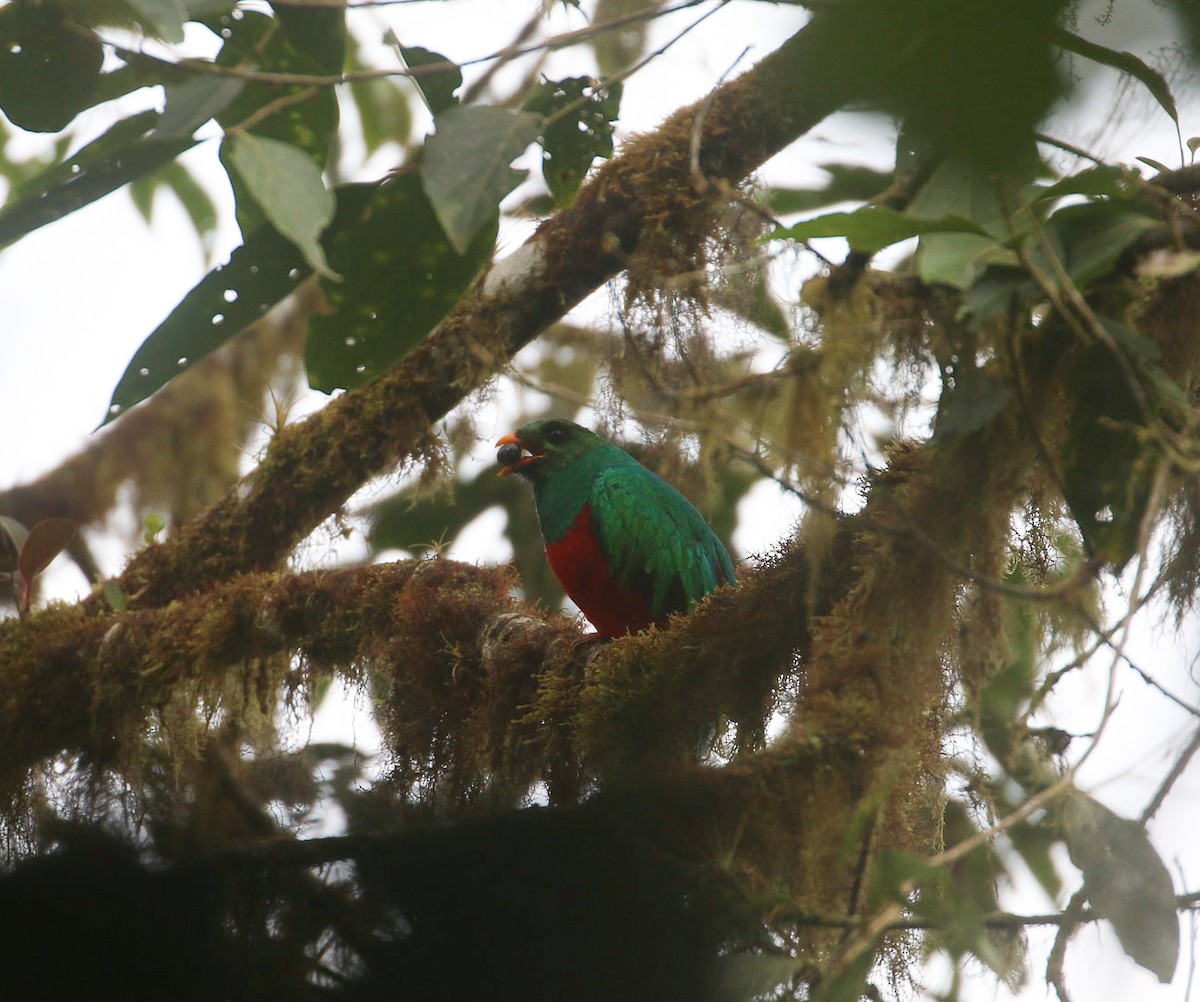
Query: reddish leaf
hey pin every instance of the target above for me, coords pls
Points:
(46, 541)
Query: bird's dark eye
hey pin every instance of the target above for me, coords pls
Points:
(556, 435)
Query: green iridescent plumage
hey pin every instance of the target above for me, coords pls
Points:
(653, 542)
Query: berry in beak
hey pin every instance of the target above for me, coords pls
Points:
(513, 454)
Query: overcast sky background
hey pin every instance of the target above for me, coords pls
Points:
(80, 295)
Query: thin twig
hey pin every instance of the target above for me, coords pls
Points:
(1188, 902)
(1072, 917)
(1062, 144)
(1170, 779)
(554, 42)
(269, 109)
(479, 86)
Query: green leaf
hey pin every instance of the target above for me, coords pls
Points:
(127, 151)
(394, 291)
(959, 259)
(741, 977)
(1005, 695)
(847, 183)
(47, 539)
(1095, 182)
(1134, 343)
(154, 524)
(1093, 237)
(850, 985)
(297, 40)
(895, 870)
(289, 188)
(142, 191)
(12, 537)
(580, 115)
(1123, 62)
(161, 18)
(970, 403)
(195, 200)
(261, 272)
(49, 67)
(1125, 880)
(1158, 165)
(436, 77)
(466, 169)
(1034, 843)
(995, 293)
(1105, 479)
(748, 296)
(875, 227)
(193, 101)
(117, 600)
(617, 51)
(384, 113)
(962, 189)
(176, 179)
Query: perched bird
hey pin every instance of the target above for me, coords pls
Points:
(626, 546)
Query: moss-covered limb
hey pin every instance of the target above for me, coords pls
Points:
(465, 675)
(876, 678)
(78, 683)
(472, 689)
(313, 467)
(876, 682)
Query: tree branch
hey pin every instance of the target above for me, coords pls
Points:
(448, 637)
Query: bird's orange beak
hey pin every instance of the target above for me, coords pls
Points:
(525, 460)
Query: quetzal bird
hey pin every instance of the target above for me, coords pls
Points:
(626, 546)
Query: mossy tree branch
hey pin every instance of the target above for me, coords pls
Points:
(447, 637)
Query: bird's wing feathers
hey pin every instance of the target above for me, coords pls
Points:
(654, 538)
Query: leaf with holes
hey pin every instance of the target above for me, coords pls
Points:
(580, 113)
(49, 67)
(402, 275)
(260, 273)
(127, 151)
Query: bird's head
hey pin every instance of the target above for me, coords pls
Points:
(541, 448)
